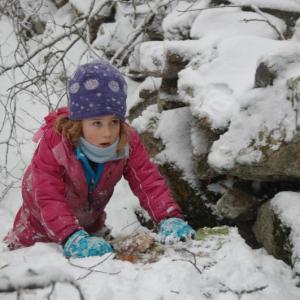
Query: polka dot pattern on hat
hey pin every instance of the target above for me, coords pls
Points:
(114, 86)
(91, 84)
(74, 88)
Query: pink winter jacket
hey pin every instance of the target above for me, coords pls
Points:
(55, 192)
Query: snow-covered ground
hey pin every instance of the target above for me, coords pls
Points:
(218, 267)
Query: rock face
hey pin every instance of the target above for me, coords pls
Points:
(196, 212)
(237, 205)
(264, 76)
(273, 234)
(282, 164)
(276, 167)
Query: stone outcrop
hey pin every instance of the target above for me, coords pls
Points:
(272, 234)
(238, 204)
(196, 212)
(282, 164)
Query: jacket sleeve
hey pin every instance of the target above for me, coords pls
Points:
(51, 207)
(147, 183)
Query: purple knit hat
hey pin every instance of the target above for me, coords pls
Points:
(97, 89)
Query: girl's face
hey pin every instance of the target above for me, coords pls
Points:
(101, 131)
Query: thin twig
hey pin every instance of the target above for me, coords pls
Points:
(206, 8)
(258, 11)
(91, 268)
(37, 285)
(34, 53)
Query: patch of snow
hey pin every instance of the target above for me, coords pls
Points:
(178, 22)
(210, 23)
(286, 5)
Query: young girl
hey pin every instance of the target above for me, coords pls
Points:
(83, 152)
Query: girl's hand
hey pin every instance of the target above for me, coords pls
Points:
(175, 229)
(81, 244)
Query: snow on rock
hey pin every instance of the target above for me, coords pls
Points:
(177, 24)
(286, 5)
(232, 62)
(147, 121)
(174, 131)
(210, 23)
(63, 16)
(221, 76)
(101, 7)
(296, 35)
(200, 142)
(112, 36)
(151, 57)
(150, 84)
(266, 115)
(283, 61)
(140, 8)
(219, 90)
(43, 9)
(217, 103)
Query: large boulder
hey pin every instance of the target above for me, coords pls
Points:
(277, 228)
(237, 205)
(282, 164)
(260, 145)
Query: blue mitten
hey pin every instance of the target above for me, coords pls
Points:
(175, 229)
(81, 244)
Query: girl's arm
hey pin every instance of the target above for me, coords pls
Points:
(49, 204)
(147, 183)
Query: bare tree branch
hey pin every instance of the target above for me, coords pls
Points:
(130, 41)
(240, 294)
(194, 261)
(37, 285)
(92, 270)
(37, 51)
(267, 20)
(206, 8)
(37, 280)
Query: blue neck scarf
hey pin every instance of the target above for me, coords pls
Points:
(101, 155)
(92, 176)
(86, 151)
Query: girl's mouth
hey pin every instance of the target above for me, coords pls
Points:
(105, 144)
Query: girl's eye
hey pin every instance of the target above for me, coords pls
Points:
(115, 122)
(97, 123)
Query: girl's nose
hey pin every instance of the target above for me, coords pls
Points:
(106, 131)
